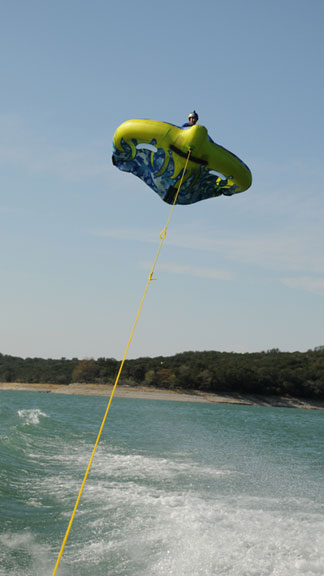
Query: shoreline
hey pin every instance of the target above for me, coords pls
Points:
(148, 393)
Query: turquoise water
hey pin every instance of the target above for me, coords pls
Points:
(175, 488)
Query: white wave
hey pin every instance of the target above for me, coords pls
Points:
(138, 466)
(24, 544)
(31, 416)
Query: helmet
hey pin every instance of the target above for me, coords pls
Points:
(193, 115)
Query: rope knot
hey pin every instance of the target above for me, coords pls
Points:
(163, 233)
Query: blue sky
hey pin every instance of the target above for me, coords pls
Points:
(78, 237)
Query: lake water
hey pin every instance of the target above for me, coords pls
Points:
(175, 488)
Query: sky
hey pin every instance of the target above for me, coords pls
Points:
(78, 237)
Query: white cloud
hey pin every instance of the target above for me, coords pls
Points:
(307, 283)
(290, 250)
(199, 272)
(21, 148)
(129, 234)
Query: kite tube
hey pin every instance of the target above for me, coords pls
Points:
(156, 152)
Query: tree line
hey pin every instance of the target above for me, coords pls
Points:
(299, 374)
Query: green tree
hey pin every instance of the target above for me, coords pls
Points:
(85, 371)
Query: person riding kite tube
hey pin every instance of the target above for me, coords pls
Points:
(193, 119)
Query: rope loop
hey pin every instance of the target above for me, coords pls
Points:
(163, 233)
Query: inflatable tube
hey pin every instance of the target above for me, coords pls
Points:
(156, 152)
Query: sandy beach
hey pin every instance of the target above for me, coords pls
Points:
(145, 393)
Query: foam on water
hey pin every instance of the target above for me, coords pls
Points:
(134, 519)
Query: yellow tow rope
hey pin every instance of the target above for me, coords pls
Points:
(150, 278)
